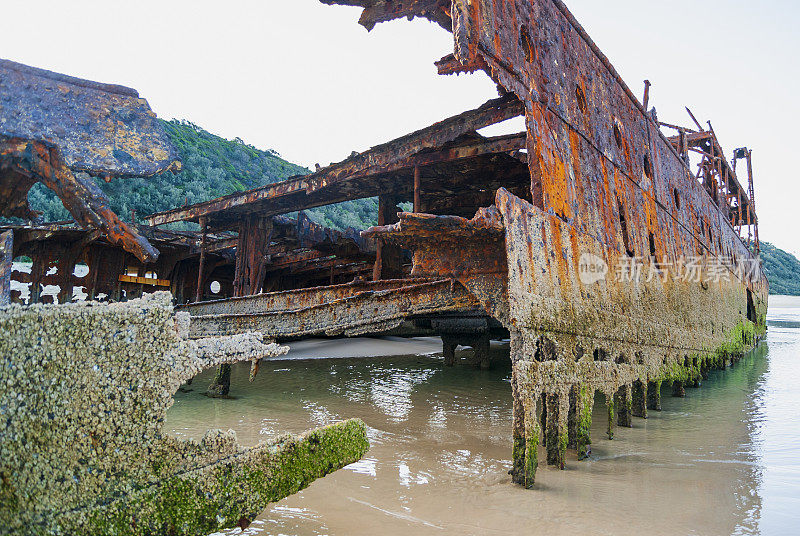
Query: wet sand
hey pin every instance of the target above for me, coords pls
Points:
(720, 461)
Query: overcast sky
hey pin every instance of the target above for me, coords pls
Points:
(306, 80)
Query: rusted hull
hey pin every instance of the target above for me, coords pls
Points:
(607, 190)
(591, 189)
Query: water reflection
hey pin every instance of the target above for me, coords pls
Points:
(720, 461)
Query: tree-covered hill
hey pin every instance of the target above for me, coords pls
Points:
(212, 167)
(782, 269)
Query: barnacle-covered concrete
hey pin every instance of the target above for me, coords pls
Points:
(85, 388)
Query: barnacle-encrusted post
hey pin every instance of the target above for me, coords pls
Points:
(584, 404)
(517, 432)
(624, 402)
(221, 384)
(449, 345)
(532, 433)
(704, 366)
(654, 395)
(572, 418)
(482, 352)
(610, 407)
(692, 366)
(678, 389)
(555, 435)
(639, 405)
(525, 431)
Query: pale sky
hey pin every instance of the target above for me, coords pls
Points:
(306, 80)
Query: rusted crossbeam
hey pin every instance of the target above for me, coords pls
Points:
(298, 193)
(293, 299)
(352, 314)
(450, 65)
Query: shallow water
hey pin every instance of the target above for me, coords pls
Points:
(720, 461)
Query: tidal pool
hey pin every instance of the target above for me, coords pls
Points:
(723, 460)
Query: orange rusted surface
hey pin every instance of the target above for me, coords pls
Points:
(573, 238)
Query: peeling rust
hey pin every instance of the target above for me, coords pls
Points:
(24, 162)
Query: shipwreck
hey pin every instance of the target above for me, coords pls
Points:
(618, 253)
(587, 239)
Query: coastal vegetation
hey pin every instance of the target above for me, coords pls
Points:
(782, 270)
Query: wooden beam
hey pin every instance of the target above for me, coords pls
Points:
(145, 280)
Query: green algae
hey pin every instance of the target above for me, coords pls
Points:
(232, 492)
(531, 456)
(584, 406)
(610, 408)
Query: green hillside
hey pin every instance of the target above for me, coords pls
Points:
(212, 167)
(782, 269)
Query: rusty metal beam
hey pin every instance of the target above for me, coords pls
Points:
(388, 257)
(30, 161)
(6, 261)
(294, 299)
(376, 11)
(365, 312)
(451, 65)
(376, 160)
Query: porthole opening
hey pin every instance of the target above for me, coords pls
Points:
(677, 198)
(526, 44)
(648, 167)
(624, 227)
